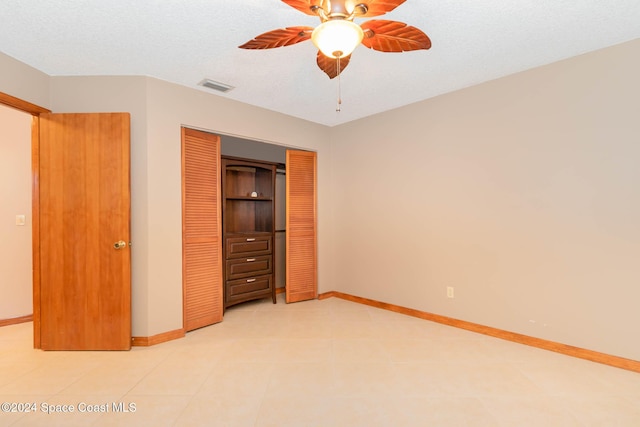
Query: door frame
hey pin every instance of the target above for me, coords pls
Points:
(35, 111)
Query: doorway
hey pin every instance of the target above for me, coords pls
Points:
(16, 285)
(296, 224)
(256, 150)
(53, 127)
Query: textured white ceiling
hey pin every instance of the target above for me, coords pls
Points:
(185, 41)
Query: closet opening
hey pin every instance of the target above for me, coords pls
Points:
(249, 224)
(249, 150)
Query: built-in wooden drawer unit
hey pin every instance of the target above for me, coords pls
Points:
(247, 288)
(253, 266)
(248, 215)
(248, 245)
(248, 267)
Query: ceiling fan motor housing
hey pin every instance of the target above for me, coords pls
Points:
(336, 16)
(339, 10)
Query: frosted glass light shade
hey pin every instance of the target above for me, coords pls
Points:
(337, 38)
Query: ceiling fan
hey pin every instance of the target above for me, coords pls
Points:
(337, 35)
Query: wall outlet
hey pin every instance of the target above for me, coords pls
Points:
(449, 291)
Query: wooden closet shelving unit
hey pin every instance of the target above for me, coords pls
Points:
(248, 210)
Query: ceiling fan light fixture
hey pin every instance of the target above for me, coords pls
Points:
(337, 38)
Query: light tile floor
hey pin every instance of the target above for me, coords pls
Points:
(316, 363)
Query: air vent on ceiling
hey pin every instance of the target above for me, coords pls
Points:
(220, 87)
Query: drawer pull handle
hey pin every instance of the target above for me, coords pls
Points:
(250, 259)
(251, 280)
(251, 240)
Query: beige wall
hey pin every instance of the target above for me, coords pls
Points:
(15, 199)
(522, 193)
(24, 82)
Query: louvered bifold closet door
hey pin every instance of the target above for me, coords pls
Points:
(301, 241)
(201, 229)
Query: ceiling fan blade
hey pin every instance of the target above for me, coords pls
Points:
(378, 7)
(279, 38)
(304, 6)
(330, 65)
(393, 36)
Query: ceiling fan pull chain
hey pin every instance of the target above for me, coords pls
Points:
(339, 91)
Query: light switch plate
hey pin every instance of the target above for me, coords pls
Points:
(20, 219)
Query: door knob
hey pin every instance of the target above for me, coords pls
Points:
(120, 245)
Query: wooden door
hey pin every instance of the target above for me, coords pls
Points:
(301, 224)
(201, 230)
(84, 286)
